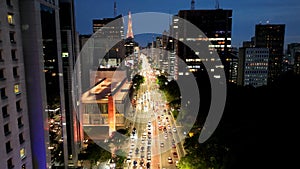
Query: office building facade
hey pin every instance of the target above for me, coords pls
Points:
(253, 66)
(216, 26)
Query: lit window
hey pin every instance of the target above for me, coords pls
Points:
(10, 18)
(22, 153)
(17, 89)
(65, 54)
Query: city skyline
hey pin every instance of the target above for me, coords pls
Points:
(246, 14)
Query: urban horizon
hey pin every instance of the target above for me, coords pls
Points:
(149, 84)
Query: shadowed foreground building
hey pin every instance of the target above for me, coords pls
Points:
(32, 45)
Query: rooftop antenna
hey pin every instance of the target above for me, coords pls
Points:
(217, 4)
(115, 8)
(193, 5)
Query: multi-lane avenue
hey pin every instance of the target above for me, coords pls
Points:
(155, 140)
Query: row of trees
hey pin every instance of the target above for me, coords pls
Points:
(137, 81)
(171, 92)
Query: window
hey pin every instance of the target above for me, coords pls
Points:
(14, 55)
(15, 72)
(22, 153)
(9, 3)
(3, 93)
(10, 163)
(21, 138)
(20, 122)
(18, 106)
(10, 19)
(8, 147)
(17, 89)
(6, 130)
(2, 75)
(12, 37)
(0, 35)
(1, 57)
(4, 112)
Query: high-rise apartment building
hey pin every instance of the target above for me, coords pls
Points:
(271, 36)
(15, 141)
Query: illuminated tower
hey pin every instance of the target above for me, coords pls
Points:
(129, 27)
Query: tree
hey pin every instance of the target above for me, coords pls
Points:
(138, 80)
(96, 153)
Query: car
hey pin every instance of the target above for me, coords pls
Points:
(149, 158)
(173, 146)
(174, 130)
(170, 161)
(176, 163)
(175, 155)
(162, 144)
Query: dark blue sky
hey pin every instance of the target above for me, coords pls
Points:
(246, 13)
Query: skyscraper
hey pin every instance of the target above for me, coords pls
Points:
(43, 68)
(271, 36)
(15, 141)
(216, 25)
(33, 63)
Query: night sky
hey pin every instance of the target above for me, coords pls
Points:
(246, 13)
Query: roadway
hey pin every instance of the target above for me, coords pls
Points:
(150, 113)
